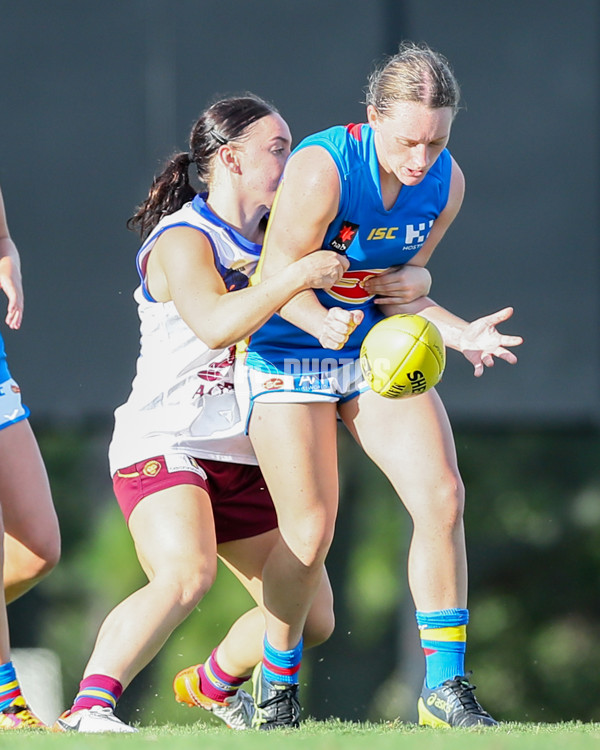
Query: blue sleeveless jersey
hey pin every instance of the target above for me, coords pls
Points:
(372, 239)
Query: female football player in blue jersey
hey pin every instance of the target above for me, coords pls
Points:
(184, 472)
(29, 534)
(382, 194)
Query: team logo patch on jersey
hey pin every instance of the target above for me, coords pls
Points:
(273, 384)
(350, 287)
(217, 377)
(151, 468)
(235, 279)
(341, 242)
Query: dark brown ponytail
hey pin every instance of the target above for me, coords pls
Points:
(223, 122)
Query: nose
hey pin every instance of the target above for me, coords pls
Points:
(419, 156)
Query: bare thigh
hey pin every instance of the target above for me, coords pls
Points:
(296, 446)
(412, 443)
(173, 530)
(27, 510)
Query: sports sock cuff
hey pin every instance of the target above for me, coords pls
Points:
(282, 666)
(97, 690)
(9, 685)
(443, 618)
(288, 659)
(219, 676)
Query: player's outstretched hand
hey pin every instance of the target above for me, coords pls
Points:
(337, 327)
(10, 283)
(480, 342)
(323, 268)
(399, 285)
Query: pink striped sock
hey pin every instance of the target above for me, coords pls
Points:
(215, 683)
(97, 690)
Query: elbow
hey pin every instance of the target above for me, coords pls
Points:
(215, 341)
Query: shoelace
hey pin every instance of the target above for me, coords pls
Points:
(287, 708)
(464, 692)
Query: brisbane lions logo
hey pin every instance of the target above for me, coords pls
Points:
(350, 287)
(217, 376)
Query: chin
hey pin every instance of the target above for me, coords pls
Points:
(411, 181)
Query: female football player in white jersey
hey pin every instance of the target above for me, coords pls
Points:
(184, 473)
(382, 194)
(29, 534)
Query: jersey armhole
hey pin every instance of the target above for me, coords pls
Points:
(445, 177)
(141, 260)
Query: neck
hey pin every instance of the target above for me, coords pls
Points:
(243, 216)
(389, 184)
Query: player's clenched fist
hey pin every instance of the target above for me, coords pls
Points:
(338, 324)
(323, 268)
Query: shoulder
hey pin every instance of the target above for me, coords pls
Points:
(443, 167)
(178, 241)
(311, 170)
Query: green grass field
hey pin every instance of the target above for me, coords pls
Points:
(322, 736)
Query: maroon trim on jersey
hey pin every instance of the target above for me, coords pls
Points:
(355, 130)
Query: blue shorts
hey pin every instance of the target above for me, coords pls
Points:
(258, 381)
(11, 408)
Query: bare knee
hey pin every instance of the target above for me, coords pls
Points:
(443, 507)
(49, 555)
(29, 562)
(186, 587)
(39, 567)
(310, 540)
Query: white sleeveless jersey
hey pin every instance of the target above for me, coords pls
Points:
(182, 399)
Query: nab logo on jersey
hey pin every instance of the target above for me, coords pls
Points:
(341, 242)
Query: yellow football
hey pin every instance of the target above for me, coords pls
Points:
(403, 355)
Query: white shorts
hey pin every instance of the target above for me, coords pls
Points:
(299, 384)
(11, 408)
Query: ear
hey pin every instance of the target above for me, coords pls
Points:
(372, 116)
(229, 158)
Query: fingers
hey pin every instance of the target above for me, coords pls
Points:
(344, 261)
(507, 356)
(13, 318)
(487, 360)
(500, 316)
(338, 326)
(14, 312)
(511, 340)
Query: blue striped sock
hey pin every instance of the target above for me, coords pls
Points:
(282, 666)
(444, 642)
(9, 685)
